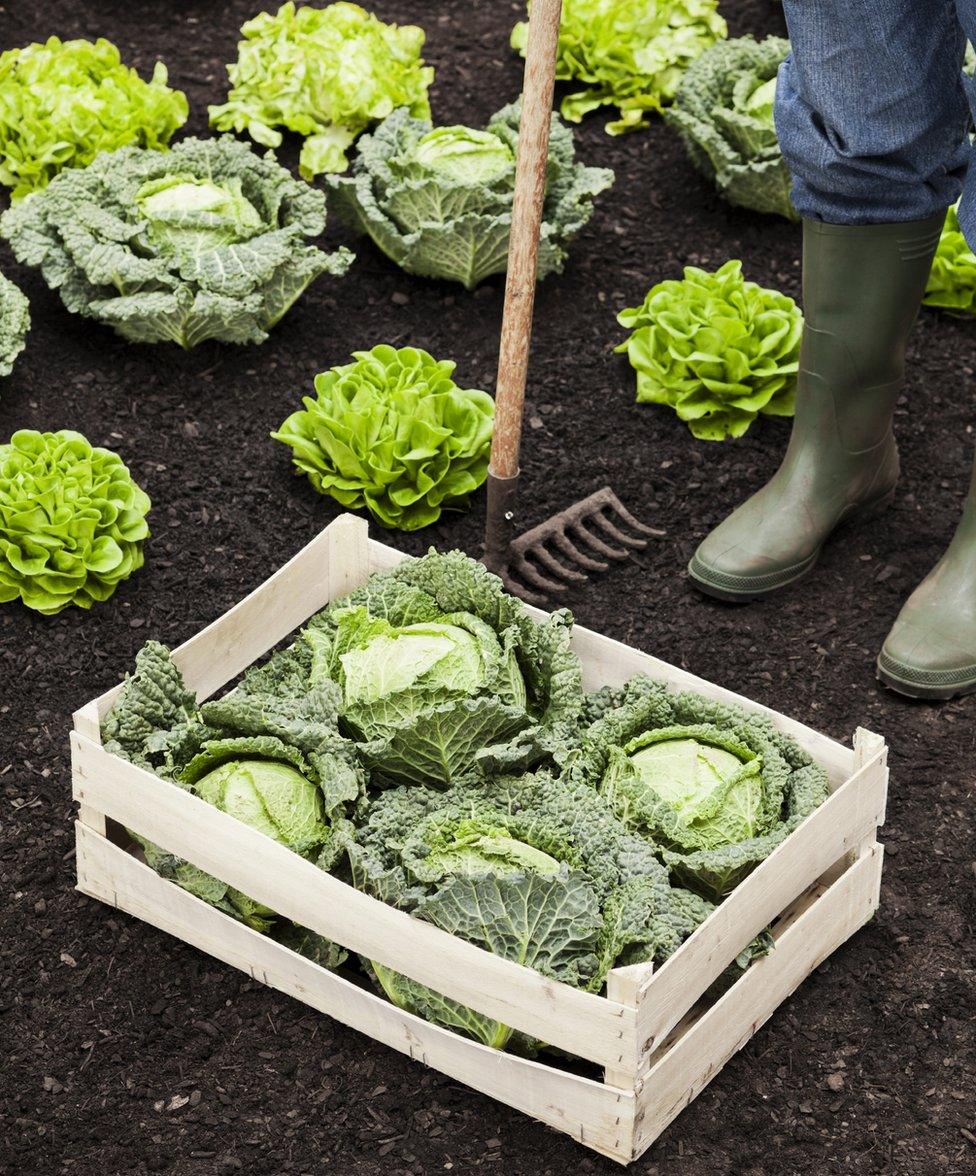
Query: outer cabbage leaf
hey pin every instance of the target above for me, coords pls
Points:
(438, 201)
(520, 707)
(724, 112)
(952, 281)
(710, 840)
(325, 73)
(629, 53)
(717, 349)
(72, 521)
(14, 324)
(207, 241)
(393, 433)
(63, 102)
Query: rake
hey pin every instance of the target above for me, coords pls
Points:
(552, 556)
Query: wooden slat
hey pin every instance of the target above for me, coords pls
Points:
(585, 1024)
(841, 824)
(590, 1112)
(690, 1063)
(611, 663)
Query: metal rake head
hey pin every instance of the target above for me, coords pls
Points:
(552, 556)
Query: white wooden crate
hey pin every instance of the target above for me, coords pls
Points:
(656, 1040)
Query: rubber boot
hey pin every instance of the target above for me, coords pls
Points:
(931, 649)
(862, 287)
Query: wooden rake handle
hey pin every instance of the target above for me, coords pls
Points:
(523, 248)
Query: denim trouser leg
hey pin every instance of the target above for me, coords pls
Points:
(871, 111)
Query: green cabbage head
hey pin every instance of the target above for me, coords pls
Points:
(723, 110)
(442, 675)
(63, 102)
(952, 281)
(207, 241)
(14, 324)
(628, 53)
(438, 201)
(393, 433)
(72, 521)
(325, 73)
(717, 349)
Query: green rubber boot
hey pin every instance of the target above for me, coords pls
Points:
(862, 287)
(931, 649)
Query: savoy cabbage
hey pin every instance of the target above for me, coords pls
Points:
(14, 324)
(207, 241)
(438, 201)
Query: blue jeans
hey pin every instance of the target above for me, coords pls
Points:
(873, 110)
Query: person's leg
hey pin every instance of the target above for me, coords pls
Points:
(931, 649)
(872, 120)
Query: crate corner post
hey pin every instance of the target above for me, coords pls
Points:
(347, 539)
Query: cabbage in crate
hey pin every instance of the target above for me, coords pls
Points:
(438, 201)
(207, 241)
(392, 432)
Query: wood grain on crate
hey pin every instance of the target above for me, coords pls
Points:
(597, 1115)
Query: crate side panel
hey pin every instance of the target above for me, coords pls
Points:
(843, 823)
(583, 1023)
(590, 1112)
(684, 1068)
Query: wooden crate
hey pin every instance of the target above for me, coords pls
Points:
(657, 1042)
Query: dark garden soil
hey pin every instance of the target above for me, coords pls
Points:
(869, 1068)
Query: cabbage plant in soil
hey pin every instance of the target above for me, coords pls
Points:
(952, 282)
(716, 787)
(325, 73)
(393, 433)
(63, 102)
(723, 110)
(628, 53)
(207, 241)
(438, 201)
(716, 348)
(14, 324)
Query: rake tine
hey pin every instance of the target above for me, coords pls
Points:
(597, 543)
(522, 592)
(610, 528)
(614, 503)
(569, 548)
(549, 561)
(536, 579)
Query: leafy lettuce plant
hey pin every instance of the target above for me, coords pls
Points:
(723, 110)
(716, 787)
(628, 53)
(392, 432)
(63, 102)
(72, 521)
(438, 201)
(326, 73)
(443, 675)
(14, 324)
(952, 281)
(717, 349)
(207, 241)
(533, 868)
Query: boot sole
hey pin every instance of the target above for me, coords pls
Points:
(697, 571)
(931, 692)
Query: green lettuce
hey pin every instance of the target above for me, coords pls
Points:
(717, 349)
(628, 53)
(438, 200)
(325, 73)
(72, 521)
(723, 110)
(207, 241)
(715, 787)
(443, 675)
(14, 324)
(952, 281)
(392, 432)
(63, 102)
